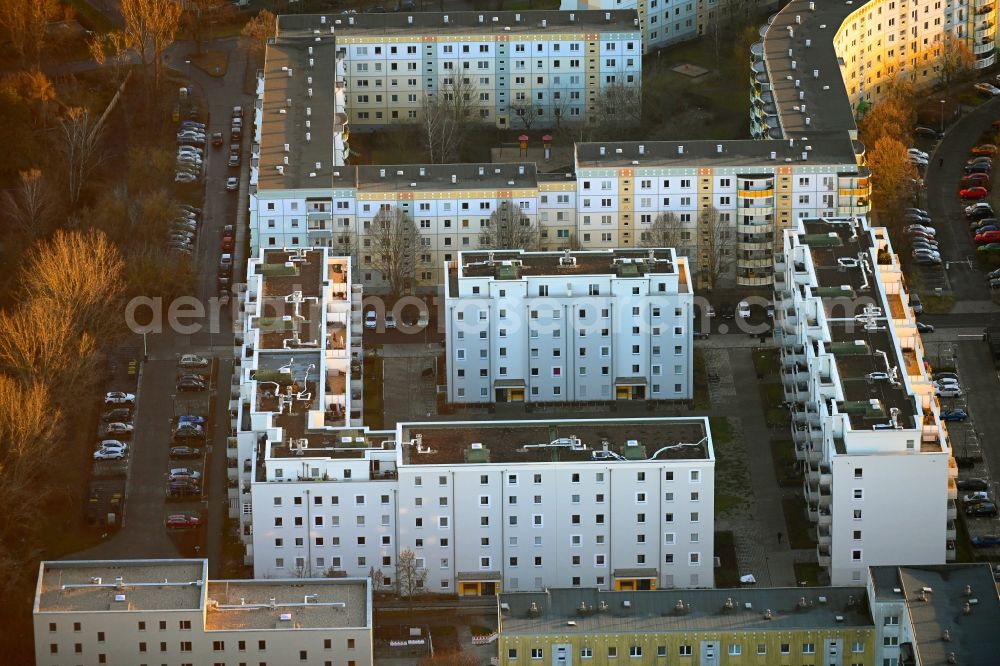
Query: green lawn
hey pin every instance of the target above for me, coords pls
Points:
(728, 573)
(809, 573)
(374, 407)
(767, 362)
(783, 457)
(721, 432)
(800, 529)
(701, 396)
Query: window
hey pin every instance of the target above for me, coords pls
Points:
(859, 493)
(735, 650)
(808, 648)
(891, 620)
(586, 653)
(785, 648)
(536, 653)
(635, 651)
(512, 653)
(857, 646)
(612, 652)
(684, 650)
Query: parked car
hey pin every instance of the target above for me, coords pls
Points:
(111, 444)
(189, 208)
(118, 429)
(233, 183)
(926, 260)
(915, 152)
(916, 211)
(973, 484)
(979, 210)
(234, 159)
(371, 321)
(227, 244)
(192, 419)
(184, 452)
(390, 321)
(180, 521)
(985, 541)
(954, 415)
(117, 415)
(190, 385)
(989, 248)
(187, 436)
(945, 376)
(237, 112)
(927, 132)
(993, 275)
(743, 310)
(948, 390)
(924, 328)
(109, 454)
(192, 361)
(185, 177)
(229, 231)
(976, 179)
(217, 139)
(981, 509)
(977, 168)
(974, 193)
(921, 228)
(987, 89)
(976, 497)
(185, 472)
(183, 489)
(119, 398)
(987, 237)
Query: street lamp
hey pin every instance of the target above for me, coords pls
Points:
(942, 116)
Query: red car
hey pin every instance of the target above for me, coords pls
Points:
(976, 192)
(985, 149)
(227, 244)
(988, 237)
(180, 521)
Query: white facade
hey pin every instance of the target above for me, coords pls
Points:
(167, 611)
(569, 327)
(879, 478)
(612, 199)
(513, 519)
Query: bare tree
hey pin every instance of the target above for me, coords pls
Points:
(257, 31)
(28, 206)
(509, 229)
(524, 112)
(24, 23)
(715, 248)
(199, 15)
(377, 578)
(35, 88)
(150, 27)
(619, 105)
(446, 118)
(410, 578)
(111, 48)
(80, 140)
(394, 248)
(954, 61)
(667, 230)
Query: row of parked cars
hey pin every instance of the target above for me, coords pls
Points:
(187, 439)
(117, 426)
(190, 376)
(190, 152)
(922, 236)
(183, 229)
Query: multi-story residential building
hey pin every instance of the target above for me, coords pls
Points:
(818, 62)
(487, 505)
(168, 611)
(583, 326)
(879, 471)
(738, 193)
(298, 364)
(928, 615)
(513, 69)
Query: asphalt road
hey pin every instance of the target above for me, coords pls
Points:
(947, 210)
(142, 533)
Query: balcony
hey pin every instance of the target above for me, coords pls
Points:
(825, 518)
(952, 489)
(823, 555)
(982, 63)
(950, 531)
(952, 510)
(823, 535)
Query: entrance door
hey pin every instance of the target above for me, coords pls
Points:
(469, 589)
(562, 655)
(517, 395)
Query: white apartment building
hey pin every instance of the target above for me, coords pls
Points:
(298, 363)
(491, 505)
(585, 326)
(879, 473)
(750, 189)
(514, 69)
(169, 612)
(817, 63)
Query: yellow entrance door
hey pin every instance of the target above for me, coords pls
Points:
(470, 589)
(517, 395)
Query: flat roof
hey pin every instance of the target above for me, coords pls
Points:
(520, 264)
(817, 71)
(299, 603)
(740, 609)
(845, 272)
(463, 25)
(974, 638)
(564, 440)
(836, 149)
(120, 585)
(283, 123)
(394, 178)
